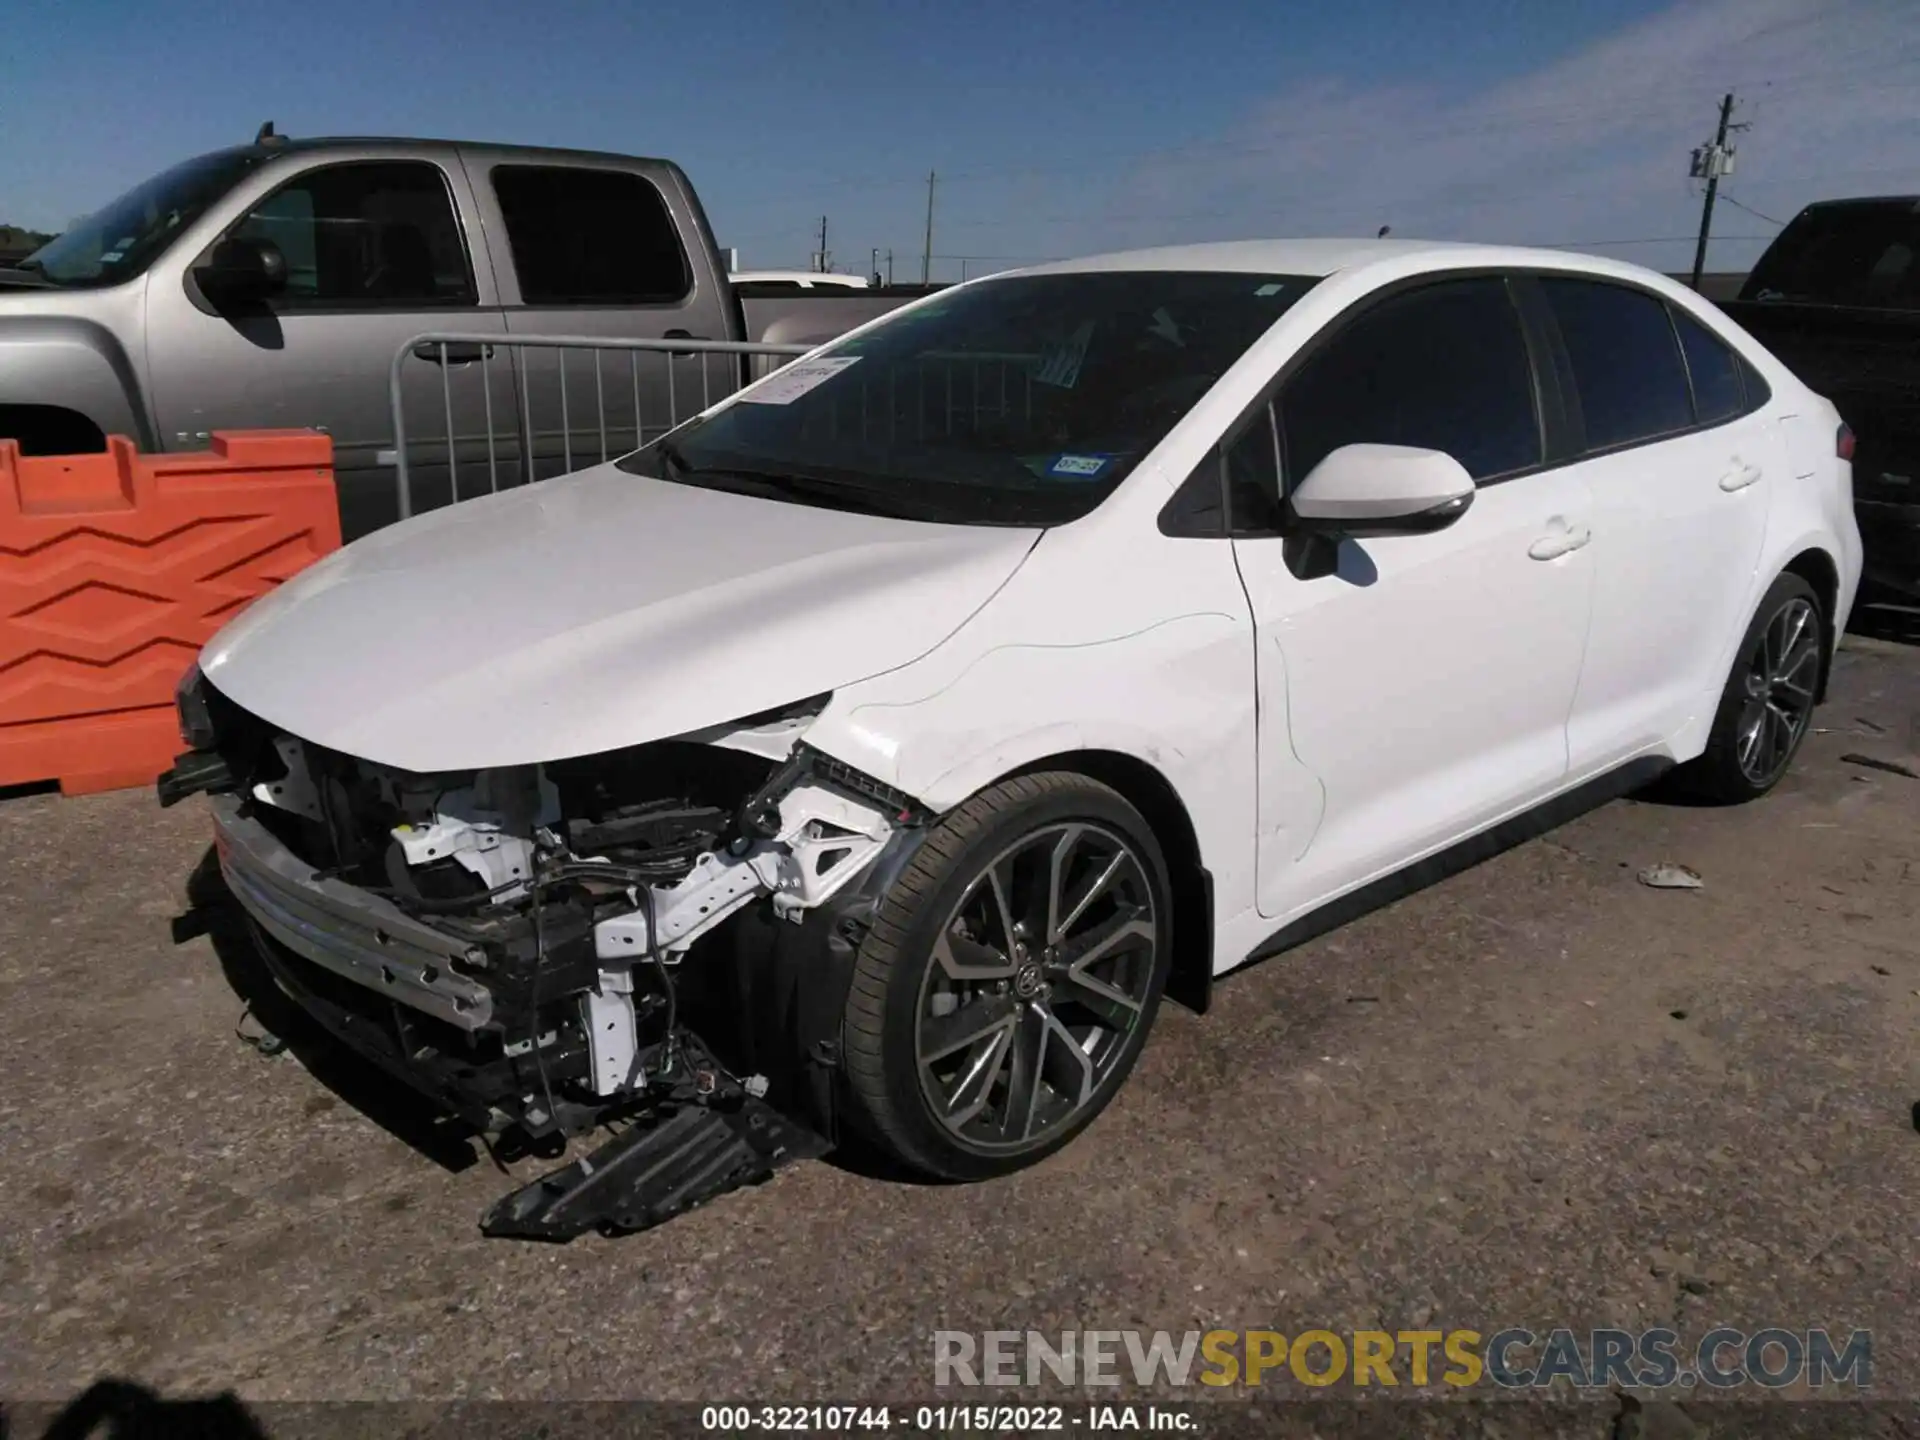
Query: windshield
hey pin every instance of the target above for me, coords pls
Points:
(120, 240)
(1866, 253)
(1021, 401)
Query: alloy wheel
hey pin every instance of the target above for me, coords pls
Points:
(1040, 977)
(1780, 676)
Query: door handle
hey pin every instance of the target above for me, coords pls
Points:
(1561, 542)
(1740, 476)
(681, 335)
(457, 354)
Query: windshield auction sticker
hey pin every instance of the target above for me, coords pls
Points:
(1060, 366)
(783, 387)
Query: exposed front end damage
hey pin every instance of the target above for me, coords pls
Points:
(657, 941)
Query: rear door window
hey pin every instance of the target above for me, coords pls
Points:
(1717, 392)
(1443, 367)
(1627, 369)
(583, 236)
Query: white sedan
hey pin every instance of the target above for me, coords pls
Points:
(887, 740)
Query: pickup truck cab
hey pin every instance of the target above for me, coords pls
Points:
(1837, 298)
(272, 284)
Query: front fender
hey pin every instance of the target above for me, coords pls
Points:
(75, 364)
(1176, 697)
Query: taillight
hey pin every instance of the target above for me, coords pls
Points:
(1843, 443)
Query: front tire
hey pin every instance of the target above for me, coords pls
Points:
(1767, 706)
(1010, 978)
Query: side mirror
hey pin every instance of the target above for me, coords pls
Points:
(239, 271)
(1367, 490)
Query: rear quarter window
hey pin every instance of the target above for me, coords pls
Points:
(1718, 390)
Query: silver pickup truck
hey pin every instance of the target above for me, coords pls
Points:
(272, 285)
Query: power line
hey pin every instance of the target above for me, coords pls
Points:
(1751, 211)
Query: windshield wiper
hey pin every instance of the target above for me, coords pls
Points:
(787, 485)
(27, 273)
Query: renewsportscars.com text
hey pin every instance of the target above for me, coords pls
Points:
(1656, 1359)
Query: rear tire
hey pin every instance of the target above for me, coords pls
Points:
(1010, 978)
(1767, 706)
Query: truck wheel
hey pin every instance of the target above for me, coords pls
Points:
(1010, 978)
(1767, 706)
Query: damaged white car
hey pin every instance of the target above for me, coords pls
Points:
(875, 751)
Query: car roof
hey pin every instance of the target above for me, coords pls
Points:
(291, 145)
(1323, 257)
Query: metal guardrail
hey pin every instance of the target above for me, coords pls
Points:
(530, 432)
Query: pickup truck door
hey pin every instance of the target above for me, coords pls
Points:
(379, 247)
(602, 248)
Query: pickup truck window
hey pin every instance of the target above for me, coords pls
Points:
(1016, 401)
(121, 239)
(1863, 252)
(365, 235)
(582, 236)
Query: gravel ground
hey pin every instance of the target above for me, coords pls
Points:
(1537, 1094)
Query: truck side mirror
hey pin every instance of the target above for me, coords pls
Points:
(240, 271)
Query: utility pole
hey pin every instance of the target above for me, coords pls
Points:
(1710, 162)
(889, 265)
(926, 256)
(821, 263)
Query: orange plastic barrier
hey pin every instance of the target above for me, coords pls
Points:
(115, 569)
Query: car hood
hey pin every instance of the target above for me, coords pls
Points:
(591, 613)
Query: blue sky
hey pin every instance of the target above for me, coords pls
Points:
(1058, 126)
